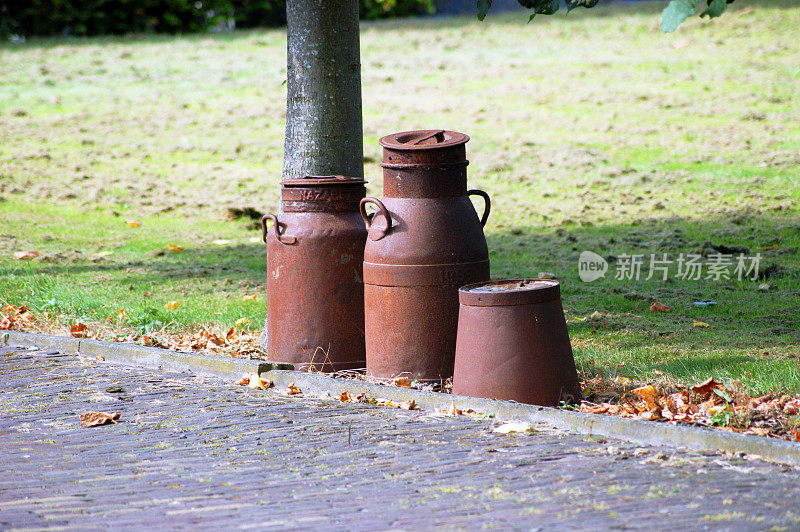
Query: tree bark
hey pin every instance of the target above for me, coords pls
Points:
(323, 104)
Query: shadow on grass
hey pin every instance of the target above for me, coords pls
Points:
(743, 318)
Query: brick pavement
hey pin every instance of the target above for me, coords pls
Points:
(192, 453)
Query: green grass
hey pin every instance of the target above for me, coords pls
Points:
(591, 131)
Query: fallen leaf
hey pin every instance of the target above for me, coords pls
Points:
(507, 428)
(244, 381)
(174, 248)
(26, 255)
(292, 389)
(595, 315)
(770, 248)
(648, 394)
(402, 382)
(698, 323)
(133, 223)
(79, 330)
(657, 306)
(345, 397)
(231, 334)
(705, 389)
(100, 357)
(763, 287)
(256, 382)
(409, 405)
(452, 411)
(241, 321)
(172, 305)
(251, 297)
(93, 419)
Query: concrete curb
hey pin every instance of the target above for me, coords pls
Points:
(638, 431)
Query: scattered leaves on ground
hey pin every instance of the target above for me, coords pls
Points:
(94, 419)
(710, 403)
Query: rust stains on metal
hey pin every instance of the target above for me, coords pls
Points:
(513, 343)
(425, 240)
(315, 289)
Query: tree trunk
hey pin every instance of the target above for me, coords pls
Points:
(323, 104)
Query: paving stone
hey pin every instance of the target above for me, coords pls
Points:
(190, 453)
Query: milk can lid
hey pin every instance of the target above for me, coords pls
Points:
(320, 180)
(508, 292)
(424, 139)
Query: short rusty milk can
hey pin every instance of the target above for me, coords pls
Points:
(513, 343)
(425, 240)
(315, 291)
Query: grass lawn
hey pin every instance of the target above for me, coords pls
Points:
(592, 131)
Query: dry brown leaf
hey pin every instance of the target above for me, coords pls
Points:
(705, 389)
(26, 255)
(244, 381)
(256, 382)
(657, 306)
(345, 397)
(409, 405)
(292, 389)
(402, 382)
(79, 330)
(231, 334)
(94, 419)
(452, 410)
(648, 394)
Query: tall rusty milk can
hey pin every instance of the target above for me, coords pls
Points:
(513, 343)
(315, 290)
(425, 240)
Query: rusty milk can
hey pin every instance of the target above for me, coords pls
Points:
(425, 240)
(315, 291)
(513, 343)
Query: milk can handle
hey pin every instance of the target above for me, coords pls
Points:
(487, 202)
(284, 239)
(368, 221)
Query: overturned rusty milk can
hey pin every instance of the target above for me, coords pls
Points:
(513, 343)
(315, 291)
(425, 240)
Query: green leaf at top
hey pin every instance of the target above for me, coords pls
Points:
(715, 8)
(572, 4)
(541, 7)
(483, 8)
(676, 12)
(717, 390)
